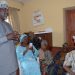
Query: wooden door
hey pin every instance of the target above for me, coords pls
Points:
(70, 26)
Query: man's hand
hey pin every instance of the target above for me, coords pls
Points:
(13, 36)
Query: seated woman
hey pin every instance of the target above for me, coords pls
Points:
(26, 58)
(45, 57)
(69, 63)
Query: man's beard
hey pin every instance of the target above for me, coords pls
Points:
(3, 15)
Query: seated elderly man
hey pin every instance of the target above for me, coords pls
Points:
(45, 57)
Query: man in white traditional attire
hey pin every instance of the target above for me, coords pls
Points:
(8, 60)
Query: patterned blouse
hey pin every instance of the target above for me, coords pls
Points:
(70, 60)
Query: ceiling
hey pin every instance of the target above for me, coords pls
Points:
(22, 1)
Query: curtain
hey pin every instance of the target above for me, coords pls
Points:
(14, 19)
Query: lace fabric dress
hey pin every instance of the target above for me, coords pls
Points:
(28, 63)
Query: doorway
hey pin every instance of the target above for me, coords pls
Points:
(70, 26)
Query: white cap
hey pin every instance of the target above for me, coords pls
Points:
(3, 4)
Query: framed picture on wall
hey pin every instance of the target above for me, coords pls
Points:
(38, 18)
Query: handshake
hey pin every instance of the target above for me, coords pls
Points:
(13, 36)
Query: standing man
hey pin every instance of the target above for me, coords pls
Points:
(8, 60)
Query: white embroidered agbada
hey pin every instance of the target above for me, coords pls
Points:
(8, 59)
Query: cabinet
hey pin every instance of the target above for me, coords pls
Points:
(46, 36)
